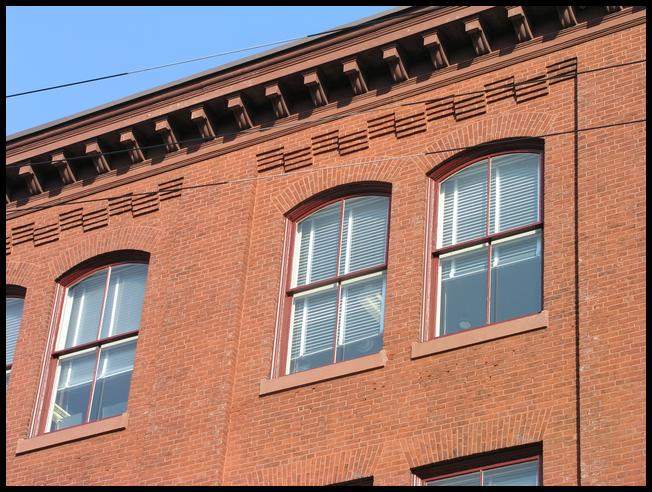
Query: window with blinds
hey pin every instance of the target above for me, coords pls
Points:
(13, 316)
(95, 346)
(337, 286)
(489, 242)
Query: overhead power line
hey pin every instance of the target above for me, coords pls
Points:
(295, 173)
(215, 55)
(332, 117)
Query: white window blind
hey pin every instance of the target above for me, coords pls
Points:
(313, 324)
(362, 309)
(83, 310)
(464, 198)
(317, 239)
(364, 233)
(124, 300)
(514, 191)
(14, 313)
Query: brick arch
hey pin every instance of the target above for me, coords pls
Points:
(323, 469)
(501, 126)
(477, 437)
(127, 237)
(313, 183)
(21, 273)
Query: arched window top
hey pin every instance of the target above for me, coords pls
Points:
(326, 197)
(85, 268)
(470, 156)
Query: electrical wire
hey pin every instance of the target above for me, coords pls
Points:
(295, 173)
(332, 117)
(215, 55)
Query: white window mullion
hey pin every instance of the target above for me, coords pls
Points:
(497, 201)
(342, 327)
(454, 225)
(311, 242)
(304, 322)
(349, 235)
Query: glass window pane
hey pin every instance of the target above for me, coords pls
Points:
(84, 307)
(124, 301)
(113, 380)
(463, 291)
(364, 233)
(318, 243)
(519, 474)
(362, 305)
(514, 191)
(313, 329)
(464, 205)
(459, 480)
(516, 277)
(14, 313)
(73, 387)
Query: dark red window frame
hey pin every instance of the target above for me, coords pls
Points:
(438, 176)
(300, 212)
(483, 462)
(79, 274)
(16, 292)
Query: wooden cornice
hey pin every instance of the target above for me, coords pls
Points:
(179, 156)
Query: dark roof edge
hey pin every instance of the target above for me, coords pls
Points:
(211, 71)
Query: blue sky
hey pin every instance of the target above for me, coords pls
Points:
(55, 45)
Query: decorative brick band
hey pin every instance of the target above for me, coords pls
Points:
(94, 219)
(407, 122)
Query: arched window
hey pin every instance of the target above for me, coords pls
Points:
(487, 258)
(14, 297)
(335, 287)
(98, 310)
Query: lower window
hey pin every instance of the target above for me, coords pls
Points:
(95, 346)
(514, 466)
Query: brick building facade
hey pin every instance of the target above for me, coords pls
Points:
(205, 179)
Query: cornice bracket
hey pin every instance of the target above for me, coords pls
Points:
(237, 106)
(474, 29)
(566, 16)
(436, 50)
(316, 87)
(94, 151)
(27, 173)
(128, 139)
(521, 25)
(163, 128)
(611, 10)
(396, 66)
(351, 68)
(274, 94)
(60, 162)
(199, 118)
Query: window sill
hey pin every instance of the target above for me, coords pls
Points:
(72, 434)
(479, 335)
(332, 371)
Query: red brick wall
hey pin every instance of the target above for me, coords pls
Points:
(208, 325)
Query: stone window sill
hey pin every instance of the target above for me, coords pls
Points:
(332, 371)
(479, 335)
(72, 434)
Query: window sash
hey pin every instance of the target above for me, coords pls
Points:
(13, 318)
(358, 220)
(297, 333)
(484, 473)
(104, 321)
(88, 379)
